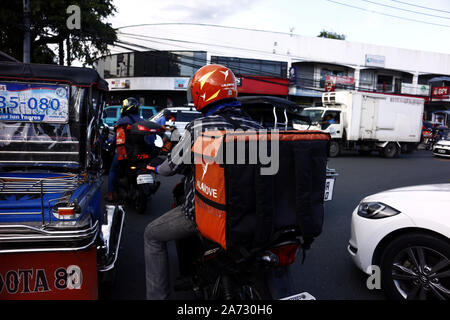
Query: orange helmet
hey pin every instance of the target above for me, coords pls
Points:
(210, 84)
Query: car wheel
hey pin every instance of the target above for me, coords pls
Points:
(416, 267)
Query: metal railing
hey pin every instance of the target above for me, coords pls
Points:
(60, 184)
(63, 184)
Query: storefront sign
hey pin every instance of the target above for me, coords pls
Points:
(343, 80)
(264, 85)
(120, 84)
(293, 75)
(180, 83)
(440, 93)
(419, 89)
(375, 61)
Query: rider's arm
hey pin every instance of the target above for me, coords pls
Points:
(179, 157)
(164, 169)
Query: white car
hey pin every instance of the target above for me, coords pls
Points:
(406, 233)
(442, 147)
(182, 115)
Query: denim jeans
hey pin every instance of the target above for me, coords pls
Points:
(172, 225)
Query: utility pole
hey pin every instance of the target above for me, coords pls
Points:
(26, 36)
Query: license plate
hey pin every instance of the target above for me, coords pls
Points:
(145, 178)
(329, 185)
(57, 275)
(441, 151)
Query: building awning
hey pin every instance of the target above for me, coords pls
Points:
(439, 79)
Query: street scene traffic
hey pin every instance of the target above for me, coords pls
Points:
(206, 159)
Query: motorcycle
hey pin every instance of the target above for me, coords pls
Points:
(136, 183)
(434, 137)
(213, 273)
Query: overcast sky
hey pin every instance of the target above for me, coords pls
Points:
(413, 26)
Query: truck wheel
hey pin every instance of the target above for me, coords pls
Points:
(335, 149)
(390, 150)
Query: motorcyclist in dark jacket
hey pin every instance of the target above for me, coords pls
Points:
(129, 114)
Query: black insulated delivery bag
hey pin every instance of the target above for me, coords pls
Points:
(237, 205)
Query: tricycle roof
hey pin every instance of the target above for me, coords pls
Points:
(83, 77)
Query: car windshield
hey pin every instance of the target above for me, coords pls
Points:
(147, 113)
(313, 115)
(111, 112)
(187, 116)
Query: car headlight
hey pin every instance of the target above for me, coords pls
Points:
(376, 210)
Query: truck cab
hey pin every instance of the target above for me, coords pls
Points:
(325, 119)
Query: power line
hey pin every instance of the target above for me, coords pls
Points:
(144, 38)
(201, 62)
(302, 79)
(389, 15)
(144, 47)
(267, 53)
(200, 24)
(415, 5)
(406, 10)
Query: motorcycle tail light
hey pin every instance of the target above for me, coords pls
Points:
(142, 128)
(286, 253)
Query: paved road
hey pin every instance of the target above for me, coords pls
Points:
(328, 272)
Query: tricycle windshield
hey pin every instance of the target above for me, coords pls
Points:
(39, 124)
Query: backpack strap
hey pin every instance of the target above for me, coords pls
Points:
(225, 113)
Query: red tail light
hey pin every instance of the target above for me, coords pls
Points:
(142, 128)
(286, 253)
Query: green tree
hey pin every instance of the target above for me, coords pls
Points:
(49, 30)
(331, 35)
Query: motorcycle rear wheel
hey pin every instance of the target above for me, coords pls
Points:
(255, 288)
(140, 202)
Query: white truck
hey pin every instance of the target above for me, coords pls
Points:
(368, 122)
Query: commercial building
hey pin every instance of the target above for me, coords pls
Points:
(288, 65)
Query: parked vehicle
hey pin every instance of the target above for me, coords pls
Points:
(182, 115)
(112, 114)
(368, 122)
(57, 240)
(442, 147)
(406, 233)
(135, 182)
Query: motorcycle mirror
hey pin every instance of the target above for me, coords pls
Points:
(159, 142)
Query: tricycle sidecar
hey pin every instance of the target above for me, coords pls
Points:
(56, 237)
